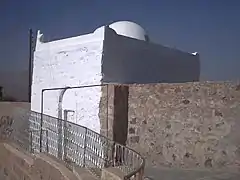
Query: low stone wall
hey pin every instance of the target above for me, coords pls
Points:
(186, 125)
(10, 117)
(15, 164)
(8, 108)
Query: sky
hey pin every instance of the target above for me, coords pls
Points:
(210, 27)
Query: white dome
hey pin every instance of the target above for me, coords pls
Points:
(129, 29)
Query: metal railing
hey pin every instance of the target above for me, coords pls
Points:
(80, 146)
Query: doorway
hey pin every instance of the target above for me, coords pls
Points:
(120, 120)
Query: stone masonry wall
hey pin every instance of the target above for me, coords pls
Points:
(113, 112)
(9, 117)
(186, 125)
(106, 111)
(15, 164)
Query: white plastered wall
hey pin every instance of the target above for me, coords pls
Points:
(69, 62)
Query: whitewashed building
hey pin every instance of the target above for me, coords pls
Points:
(119, 53)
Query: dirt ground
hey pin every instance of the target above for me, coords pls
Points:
(181, 174)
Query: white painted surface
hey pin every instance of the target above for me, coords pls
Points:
(134, 61)
(86, 104)
(69, 62)
(129, 29)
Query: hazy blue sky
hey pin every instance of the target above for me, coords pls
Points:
(211, 27)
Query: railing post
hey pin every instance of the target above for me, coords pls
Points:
(41, 123)
(113, 154)
(31, 142)
(60, 135)
(47, 148)
(106, 152)
(64, 135)
(65, 132)
(65, 143)
(141, 173)
(85, 148)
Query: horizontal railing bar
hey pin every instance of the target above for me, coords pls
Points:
(74, 87)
